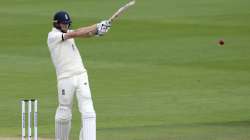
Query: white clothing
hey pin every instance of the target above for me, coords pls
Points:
(76, 85)
(68, 87)
(65, 55)
(72, 79)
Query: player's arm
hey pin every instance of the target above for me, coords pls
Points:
(89, 31)
(81, 32)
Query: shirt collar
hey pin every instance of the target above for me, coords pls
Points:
(55, 29)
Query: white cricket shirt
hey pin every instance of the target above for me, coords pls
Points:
(65, 55)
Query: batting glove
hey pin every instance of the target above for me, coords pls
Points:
(103, 27)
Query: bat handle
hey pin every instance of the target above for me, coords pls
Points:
(110, 20)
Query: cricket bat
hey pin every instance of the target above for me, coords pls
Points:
(121, 10)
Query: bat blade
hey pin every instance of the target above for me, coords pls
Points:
(121, 10)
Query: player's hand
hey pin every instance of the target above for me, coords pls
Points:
(103, 27)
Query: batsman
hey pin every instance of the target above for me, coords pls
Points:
(72, 77)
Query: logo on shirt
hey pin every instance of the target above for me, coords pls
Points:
(63, 91)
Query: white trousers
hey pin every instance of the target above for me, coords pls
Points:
(68, 87)
(76, 85)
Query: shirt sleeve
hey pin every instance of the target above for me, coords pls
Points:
(55, 38)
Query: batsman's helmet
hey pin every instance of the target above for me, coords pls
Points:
(61, 17)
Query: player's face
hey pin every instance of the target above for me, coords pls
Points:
(64, 27)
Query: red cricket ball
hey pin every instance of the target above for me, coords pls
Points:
(221, 42)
